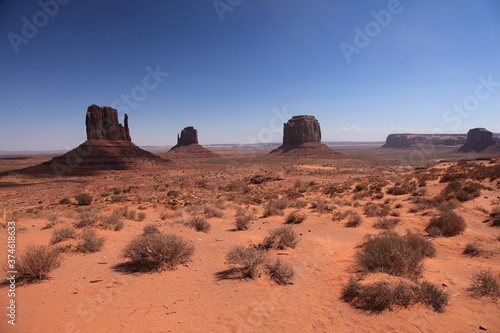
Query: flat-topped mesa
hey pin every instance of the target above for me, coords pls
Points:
(187, 146)
(302, 137)
(188, 136)
(478, 139)
(407, 140)
(102, 124)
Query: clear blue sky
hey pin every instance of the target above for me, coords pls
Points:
(234, 64)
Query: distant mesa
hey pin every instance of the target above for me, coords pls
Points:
(187, 146)
(480, 140)
(302, 137)
(405, 141)
(108, 146)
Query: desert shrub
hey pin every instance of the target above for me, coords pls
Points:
(36, 262)
(280, 271)
(62, 234)
(495, 217)
(295, 217)
(276, 207)
(322, 206)
(112, 222)
(432, 296)
(90, 243)
(484, 283)
(401, 189)
(353, 220)
(120, 212)
(377, 210)
(150, 229)
(212, 212)
(280, 238)
(387, 223)
(242, 222)
(251, 259)
(86, 219)
(380, 296)
(140, 217)
(472, 249)
(199, 224)
(157, 251)
(83, 199)
(393, 254)
(65, 201)
(298, 204)
(448, 224)
(130, 214)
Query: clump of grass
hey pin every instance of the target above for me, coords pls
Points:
(448, 224)
(252, 260)
(393, 254)
(353, 220)
(472, 249)
(62, 234)
(276, 207)
(86, 219)
(212, 212)
(90, 243)
(433, 296)
(199, 224)
(112, 222)
(377, 210)
(140, 217)
(280, 238)
(495, 217)
(322, 206)
(295, 217)
(83, 199)
(280, 272)
(37, 262)
(157, 251)
(484, 283)
(130, 214)
(243, 222)
(387, 223)
(150, 229)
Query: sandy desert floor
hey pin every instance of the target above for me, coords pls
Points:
(91, 293)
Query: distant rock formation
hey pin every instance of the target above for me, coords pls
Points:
(187, 146)
(302, 137)
(108, 146)
(404, 141)
(478, 139)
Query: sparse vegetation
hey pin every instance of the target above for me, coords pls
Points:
(280, 271)
(90, 242)
(157, 251)
(86, 219)
(112, 222)
(377, 210)
(353, 220)
(252, 260)
(83, 199)
(242, 222)
(295, 217)
(280, 238)
(37, 262)
(448, 224)
(199, 224)
(484, 283)
(387, 223)
(472, 249)
(62, 234)
(150, 229)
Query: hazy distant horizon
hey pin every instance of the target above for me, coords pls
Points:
(239, 70)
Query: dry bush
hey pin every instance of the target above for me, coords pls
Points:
(112, 222)
(280, 238)
(252, 260)
(90, 243)
(36, 262)
(387, 223)
(295, 217)
(380, 296)
(448, 224)
(472, 249)
(157, 251)
(401, 189)
(461, 192)
(62, 234)
(164, 215)
(199, 224)
(484, 283)
(353, 220)
(140, 217)
(495, 217)
(276, 207)
(120, 212)
(131, 214)
(280, 272)
(298, 204)
(377, 210)
(83, 199)
(86, 219)
(212, 212)
(150, 229)
(393, 254)
(322, 206)
(243, 222)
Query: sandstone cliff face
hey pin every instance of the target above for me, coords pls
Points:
(403, 141)
(478, 139)
(102, 124)
(302, 137)
(188, 136)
